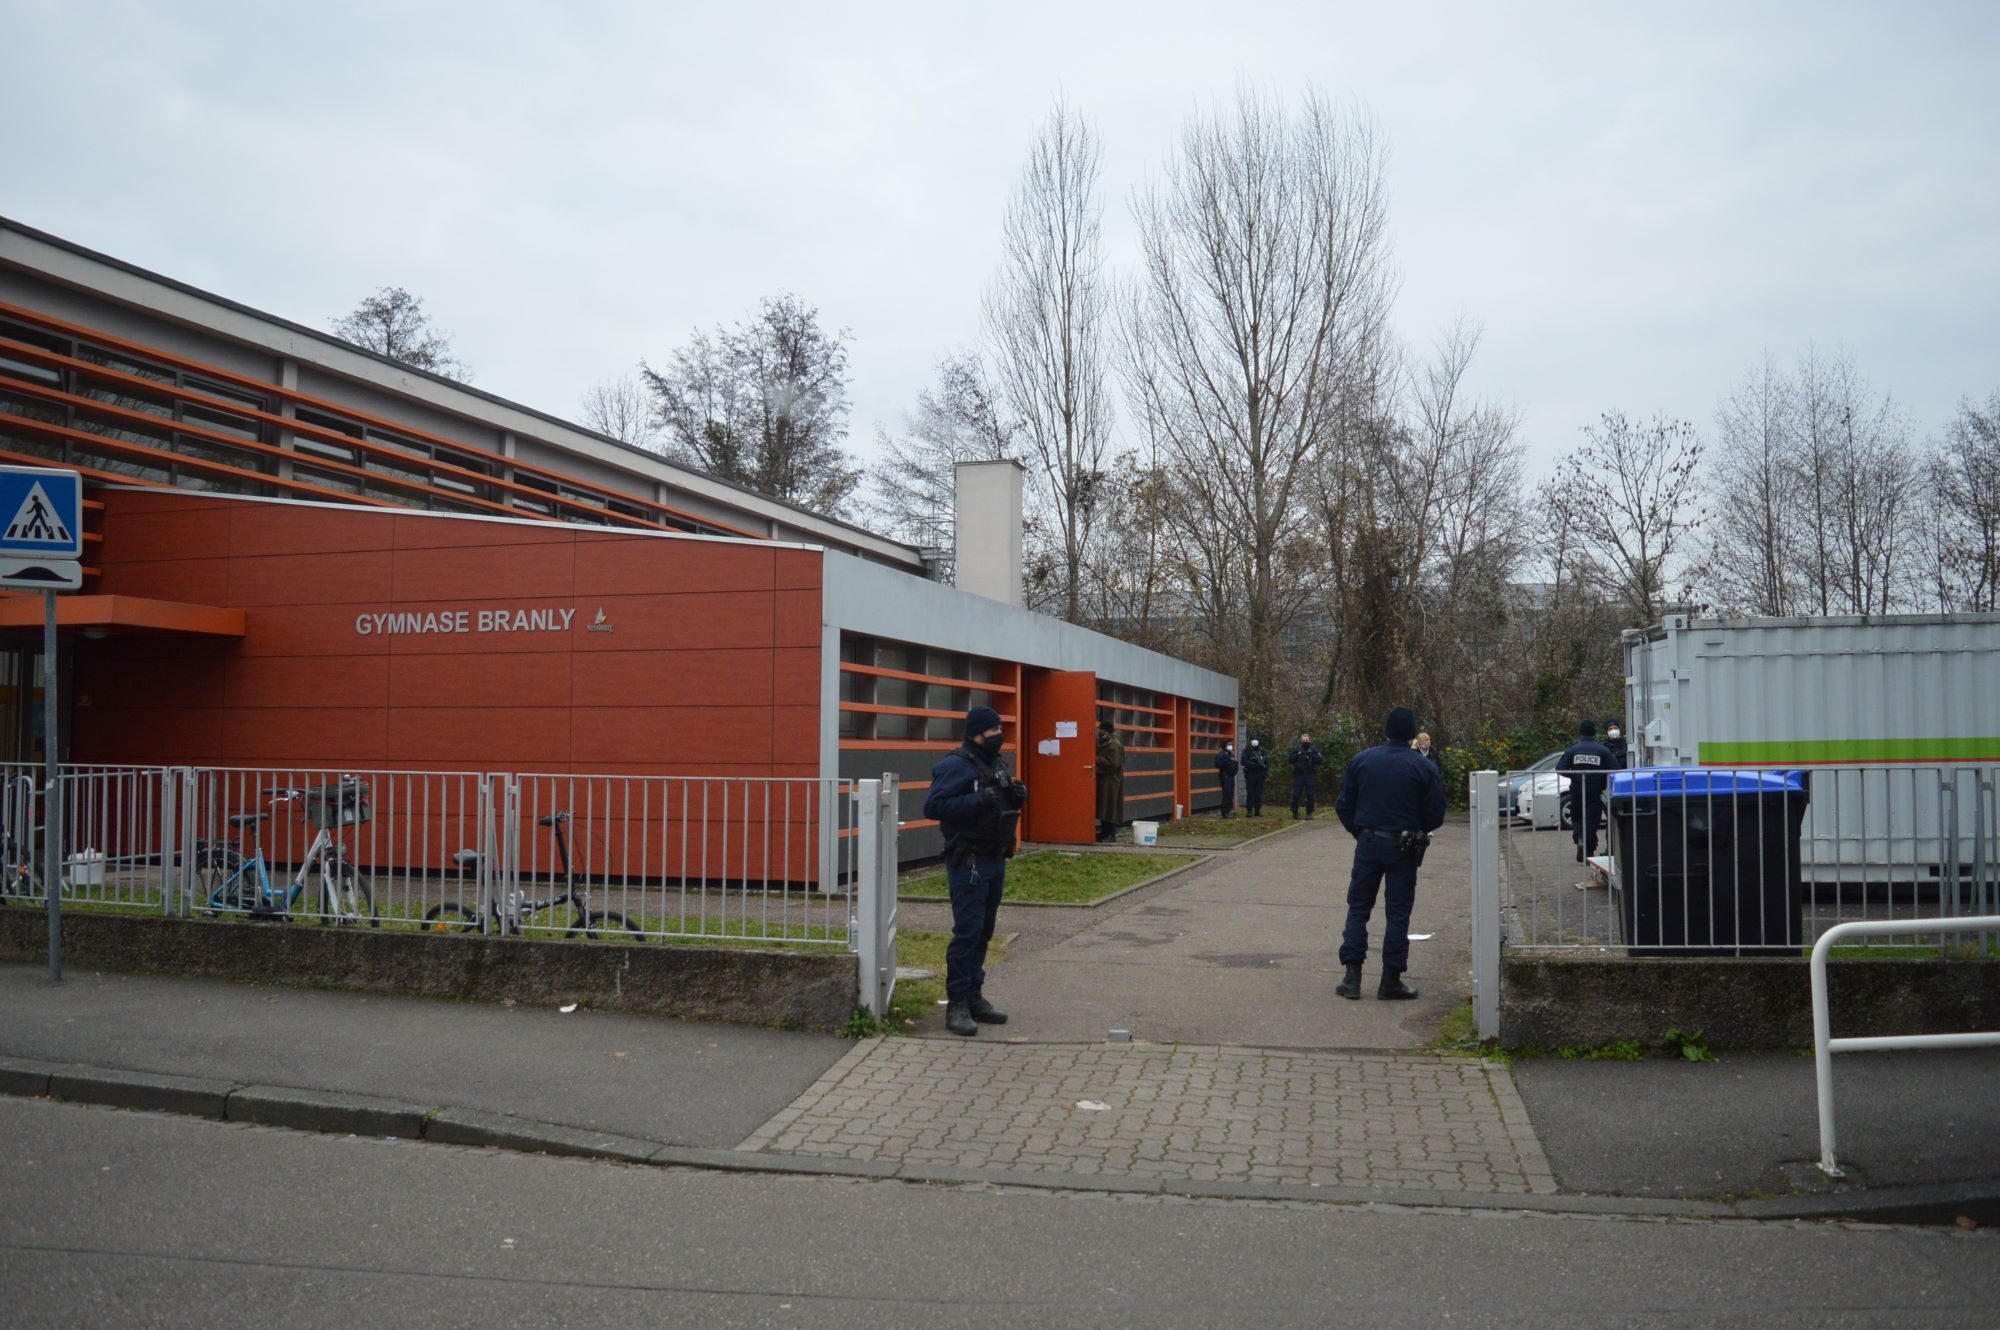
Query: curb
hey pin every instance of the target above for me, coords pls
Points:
(368, 1115)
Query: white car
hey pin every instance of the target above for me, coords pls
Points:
(1544, 801)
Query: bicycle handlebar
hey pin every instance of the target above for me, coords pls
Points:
(552, 819)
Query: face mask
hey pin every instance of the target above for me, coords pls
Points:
(991, 747)
(1611, 734)
(1253, 743)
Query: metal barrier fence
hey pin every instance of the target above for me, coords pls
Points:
(1825, 1045)
(798, 861)
(1740, 861)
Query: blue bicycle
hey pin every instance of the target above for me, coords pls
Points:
(229, 882)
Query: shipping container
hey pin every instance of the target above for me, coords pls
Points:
(1896, 718)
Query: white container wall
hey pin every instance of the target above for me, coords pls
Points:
(1917, 697)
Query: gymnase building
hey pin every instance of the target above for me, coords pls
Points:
(302, 554)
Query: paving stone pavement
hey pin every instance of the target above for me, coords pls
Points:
(1174, 1111)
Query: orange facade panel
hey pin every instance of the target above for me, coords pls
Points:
(404, 641)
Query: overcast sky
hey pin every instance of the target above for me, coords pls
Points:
(1634, 201)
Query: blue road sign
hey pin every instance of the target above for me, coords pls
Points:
(41, 513)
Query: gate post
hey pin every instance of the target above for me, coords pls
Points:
(169, 839)
(1485, 789)
(876, 828)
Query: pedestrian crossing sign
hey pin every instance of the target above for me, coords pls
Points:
(43, 513)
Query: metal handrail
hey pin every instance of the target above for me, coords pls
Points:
(1825, 1046)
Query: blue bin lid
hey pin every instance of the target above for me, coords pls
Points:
(1702, 782)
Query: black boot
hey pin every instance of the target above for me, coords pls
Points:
(985, 1012)
(1393, 988)
(1579, 854)
(1350, 987)
(958, 1019)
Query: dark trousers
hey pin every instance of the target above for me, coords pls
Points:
(1584, 815)
(1228, 795)
(1375, 860)
(976, 883)
(1303, 788)
(1253, 793)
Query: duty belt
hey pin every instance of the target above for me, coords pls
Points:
(1385, 835)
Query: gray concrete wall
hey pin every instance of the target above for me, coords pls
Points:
(868, 598)
(1560, 1002)
(807, 990)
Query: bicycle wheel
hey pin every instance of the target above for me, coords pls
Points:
(609, 921)
(347, 897)
(450, 918)
(219, 883)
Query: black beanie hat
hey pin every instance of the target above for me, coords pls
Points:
(979, 720)
(1401, 725)
(1588, 729)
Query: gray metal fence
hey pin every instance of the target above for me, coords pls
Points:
(727, 860)
(1740, 861)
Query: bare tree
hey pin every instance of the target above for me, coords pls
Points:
(621, 408)
(763, 405)
(1631, 498)
(1753, 563)
(1964, 480)
(1046, 318)
(392, 322)
(959, 419)
(1854, 478)
(1264, 293)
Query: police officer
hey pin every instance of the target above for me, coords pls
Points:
(1390, 800)
(977, 803)
(1256, 767)
(1614, 739)
(1306, 761)
(1587, 763)
(1225, 767)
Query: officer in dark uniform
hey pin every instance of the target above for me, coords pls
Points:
(1256, 768)
(977, 803)
(1225, 767)
(1306, 761)
(1390, 801)
(1588, 764)
(1614, 739)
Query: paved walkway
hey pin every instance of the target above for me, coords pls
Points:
(1379, 1121)
(1240, 950)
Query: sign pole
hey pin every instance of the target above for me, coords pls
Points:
(52, 802)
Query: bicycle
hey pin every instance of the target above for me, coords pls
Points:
(229, 883)
(20, 874)
(512, 918)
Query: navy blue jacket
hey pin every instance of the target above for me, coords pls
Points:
(1392, 787)
(1588, 764)
(954, 801)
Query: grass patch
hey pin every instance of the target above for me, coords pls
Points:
(914, 998)
(1051, 875)
(1209, 827)
(1458, 1036)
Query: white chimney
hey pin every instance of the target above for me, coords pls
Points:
(988, 522)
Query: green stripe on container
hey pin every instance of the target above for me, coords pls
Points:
(1851, 750)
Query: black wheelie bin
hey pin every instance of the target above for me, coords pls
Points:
(1708, 860)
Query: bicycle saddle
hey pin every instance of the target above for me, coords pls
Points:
(246, 819)
(466, 858)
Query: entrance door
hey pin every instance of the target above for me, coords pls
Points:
(1059, 755)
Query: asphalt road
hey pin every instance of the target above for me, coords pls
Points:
(1750, 1122)
(114, 1218)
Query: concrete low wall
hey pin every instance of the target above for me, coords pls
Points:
(807, 990)
(1566, 1001)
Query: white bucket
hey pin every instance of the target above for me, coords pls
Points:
(1178, 814)
(1145, 833)
(86, 868)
